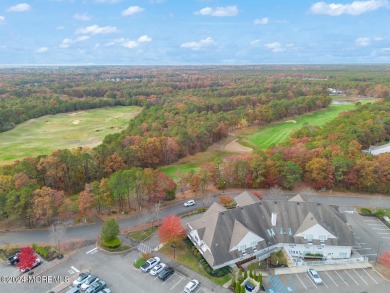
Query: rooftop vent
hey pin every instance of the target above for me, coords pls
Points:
(273, 218)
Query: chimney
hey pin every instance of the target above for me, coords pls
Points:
(273, 218)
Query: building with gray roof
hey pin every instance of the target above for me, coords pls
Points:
(256, 228)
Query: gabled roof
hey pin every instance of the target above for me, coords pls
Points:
(297, 198)
(239, 232)
(245, 199)
(214, 208)
(307, 223)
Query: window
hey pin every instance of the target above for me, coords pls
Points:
(309, 237)
(271, 232)
(289, 232)
(322, 237)
(253, 243)
(281, 230)
(242, 247)
(343, 254)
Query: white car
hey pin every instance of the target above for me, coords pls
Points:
(91, 279)
(150, 263)
(191, 286)
(314, 276)
(157, 269)
(81, 279)
(189, 203)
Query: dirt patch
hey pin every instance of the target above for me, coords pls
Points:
(75, 113)
(234, 146)
(76, 121)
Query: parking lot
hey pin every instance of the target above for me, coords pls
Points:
(333, 280)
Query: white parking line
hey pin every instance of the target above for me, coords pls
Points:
(341, 278)
(370, 276)
(360, 276)
(301, 281)
(311, 281)
(369, 254)
(331, 279)
(176, 283)
(92, 251)
(76, 270)
(362, 248)
(370, 220)
(380, 229)
(362, 243)
(380, 275)
(351, 277)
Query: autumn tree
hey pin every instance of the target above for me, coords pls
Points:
(85, 201)
(384, 259)
(27, 258)
(225, 200)
(171, 230)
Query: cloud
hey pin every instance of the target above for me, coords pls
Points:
(218, 11)
(107, 1)
(263, 20)
(42, 50)
(354, 8)
(277, 47)
(132, 10)
(67, 42)
(2, 19)
(96, 30)
(82, 17)
(130, 44)
(19, 8)
(198, 45)
(362, 42)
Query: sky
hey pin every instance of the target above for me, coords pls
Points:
(186, 32)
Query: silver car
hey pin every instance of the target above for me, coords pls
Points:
(314, 276)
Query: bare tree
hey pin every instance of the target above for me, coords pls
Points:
(308, 192)
(275, 191)
(155, 211)
(57, 235)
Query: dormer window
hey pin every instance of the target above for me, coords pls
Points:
(271, 232)
(242, 247)
(281, 230)
(322, 238)
(309, 237)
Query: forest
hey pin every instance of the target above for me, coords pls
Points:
(186, 110)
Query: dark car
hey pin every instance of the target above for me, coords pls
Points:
(96, 287)
(166, 273)
(249, 286)
(13, 260)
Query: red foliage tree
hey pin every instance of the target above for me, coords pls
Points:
(171, 230)
(258, 195)
(27, 258)
(225, 200)
(384, 259)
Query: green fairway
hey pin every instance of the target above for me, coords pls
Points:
(280, 131)
(63, 131)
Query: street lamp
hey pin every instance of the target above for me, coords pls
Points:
(173, 246)
(379, 246)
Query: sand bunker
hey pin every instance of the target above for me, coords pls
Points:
(291, 121)
(76, 121)
(235, 147)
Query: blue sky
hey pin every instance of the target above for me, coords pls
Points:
(175, 32)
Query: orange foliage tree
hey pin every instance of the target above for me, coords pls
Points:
(171, 230)
(225, 200)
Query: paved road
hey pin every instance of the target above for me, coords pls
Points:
(93, 230)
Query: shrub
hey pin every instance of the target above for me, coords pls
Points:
(139, 262)
(274, 259)
(365, 212)
(380, 213)
(233, 283)
(113, 243)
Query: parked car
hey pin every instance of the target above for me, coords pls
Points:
(249, 286)
(166, 273)
(150, 263)
(189, 203)
(105, 290)
(191, 286)
(13, 260)
(73, 290)
(314, 276)
(35, 264)
(157, 269)
(81, 279)
(91, 279)
(96, 287)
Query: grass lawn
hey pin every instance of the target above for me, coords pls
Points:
(141, 235)
(191, 163)
(63, 131)
(277, 132)
(185, 257)
(139, 262)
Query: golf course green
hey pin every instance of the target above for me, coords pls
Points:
(63, 131)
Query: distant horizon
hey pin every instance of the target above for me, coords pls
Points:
(193, 32)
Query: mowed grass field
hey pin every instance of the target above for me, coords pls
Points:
(63, 131)
(280, 131)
